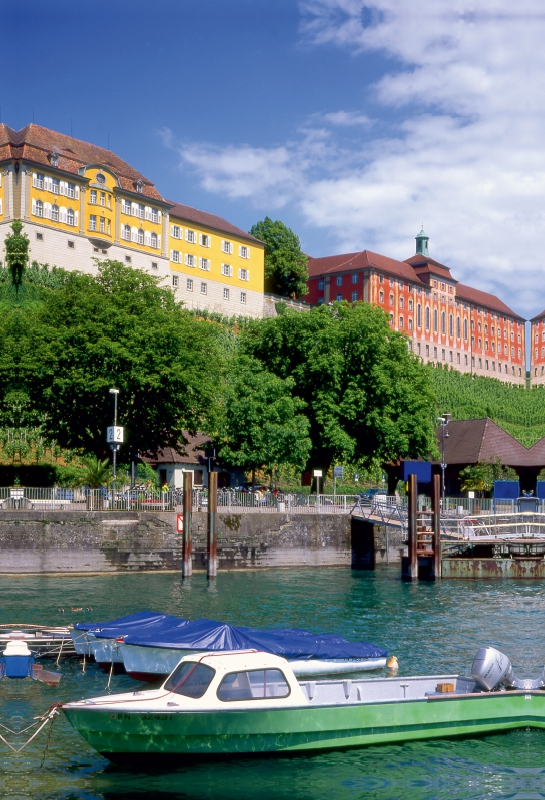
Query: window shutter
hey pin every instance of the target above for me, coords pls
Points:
(158, 241)
(62, 214)
(34, 207)
(77, 192)
(134, 234)
(247, 274)
(158, 216)
(47, 210)
(147, 238)
(147, 213)
(34, 182)
(134, 209)
(172, 230)
(0, 205)
(62, 187)
(76, 215)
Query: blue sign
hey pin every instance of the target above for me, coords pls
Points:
(422, 470)
(506, 490)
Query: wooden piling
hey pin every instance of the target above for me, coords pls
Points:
(436, 508)
(212, 546)
(410, 564)
(187, 565)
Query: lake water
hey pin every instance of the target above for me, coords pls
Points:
(431, 628)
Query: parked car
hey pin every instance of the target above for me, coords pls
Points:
(369, 495)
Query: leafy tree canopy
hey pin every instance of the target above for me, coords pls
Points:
(366, 396)
(263, 425)
(119, 329)
(286, 266)
(480, 477)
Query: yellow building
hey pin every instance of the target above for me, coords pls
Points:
(80, 202)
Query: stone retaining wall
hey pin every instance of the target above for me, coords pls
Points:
(74, 542)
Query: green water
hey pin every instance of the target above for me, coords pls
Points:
(431, 628)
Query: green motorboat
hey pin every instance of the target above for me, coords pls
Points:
(247, 702)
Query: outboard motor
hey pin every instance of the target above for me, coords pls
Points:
(492, 669)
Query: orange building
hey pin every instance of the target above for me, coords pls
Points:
(446, 321)
(537, 352)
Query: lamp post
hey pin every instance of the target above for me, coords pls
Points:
(444, 421)
(114, 446)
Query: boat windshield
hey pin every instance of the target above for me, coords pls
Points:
(190, 679)
(253, 685)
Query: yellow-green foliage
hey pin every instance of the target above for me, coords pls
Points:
(518, 410)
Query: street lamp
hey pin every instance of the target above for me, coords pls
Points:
(444, 421)
(114, 444)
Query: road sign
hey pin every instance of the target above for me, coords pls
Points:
(317, 473)
(180, 523)
(338, 472)
(114, 434)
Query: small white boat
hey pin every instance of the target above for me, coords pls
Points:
(154, 663)
(44, 641)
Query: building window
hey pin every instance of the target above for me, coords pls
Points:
(54, 185)
(139, 186)
(71, 190)
(381, 297)
(40, 237)
(175, 231)
(204, 263)
(427, 318)
(205, 240)
(38, 180)
(54, 159)
(465, 329)
(401, 284)
(512, 352)
(465, 361)
(391, 298)
(392, 282)
(154, 265)
(140, 236)
(153, 240)
(321, 285)
(243, 274)
(191, 236)
(354, 297)
(139, 211)
(410, 305)
(457, 327)
(401, 322)
(451, 325)
(457, 358)
(442, 355)
(126, 207)
(126, 233)
(443, 322)
(435, 352)
(410, 323)
(418, 315)
(189, 284)
(227, 247)
(175, 256)
(96, 250)
(102, 199)
(339, 298)
(381, 278)
(339, 280)
(227, 270)
(127, 259)
(428, 350)
(391, 318)
(175, 280)
(355, 277)
(39, 208)
(154, 215)
(320, 301)
(243, 297)
(70, 217)
(226, 294)
(203, 288)
(244, 252)
(401, 301)
(71, 244)
(92, 223)
(93, 196)
(190, 260)
(102, 224)
(418, 348)
(435, 319)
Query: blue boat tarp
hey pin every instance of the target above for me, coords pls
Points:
(159, 627)
(292, 643)
(130, 622)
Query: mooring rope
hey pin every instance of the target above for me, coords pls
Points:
(50, 715)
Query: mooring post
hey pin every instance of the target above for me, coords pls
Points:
(187, 566)
(410, 565)
(436, 508)
(212, 550)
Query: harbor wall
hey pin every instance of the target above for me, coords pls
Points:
(33, 542)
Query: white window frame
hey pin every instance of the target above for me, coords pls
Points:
(227, 247)
(227, 270)
(204, 288)
(175, 232)
(190, 260)
(204, 263)
(191, 236)
(225, 293)
(154, 240)
(38, 179)
(189, 284)
(126, 207)
(175, 280)
(243, 274)
(92, 222)
(243, 297)
(93, 196)
(175, 256)
(243, 251)
(126, 232)
(205, 240)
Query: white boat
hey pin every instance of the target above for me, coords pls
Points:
(44, 642)
(154, 663)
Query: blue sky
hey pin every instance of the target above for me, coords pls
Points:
(350, 121)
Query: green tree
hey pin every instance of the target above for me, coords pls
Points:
(286, 266)
(98, 472)
(480, 477)
(263, 425)
(119, 329)
(366, 396)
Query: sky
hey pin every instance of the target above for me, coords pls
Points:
(352, 123)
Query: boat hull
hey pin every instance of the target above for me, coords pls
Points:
(154, 663)
(118, 735)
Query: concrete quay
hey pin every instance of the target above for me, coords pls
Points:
(79, 542)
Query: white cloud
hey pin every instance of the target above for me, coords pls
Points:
(467, 157)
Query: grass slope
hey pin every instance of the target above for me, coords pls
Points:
(518, 410)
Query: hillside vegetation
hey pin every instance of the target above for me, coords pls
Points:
(518, 410)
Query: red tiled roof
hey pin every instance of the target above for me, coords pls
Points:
(421, 263)
(35, 143)
(194, 448)
(473, 440)
(348, 262)
(209, 220)
(538, 316)
(484, 299)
